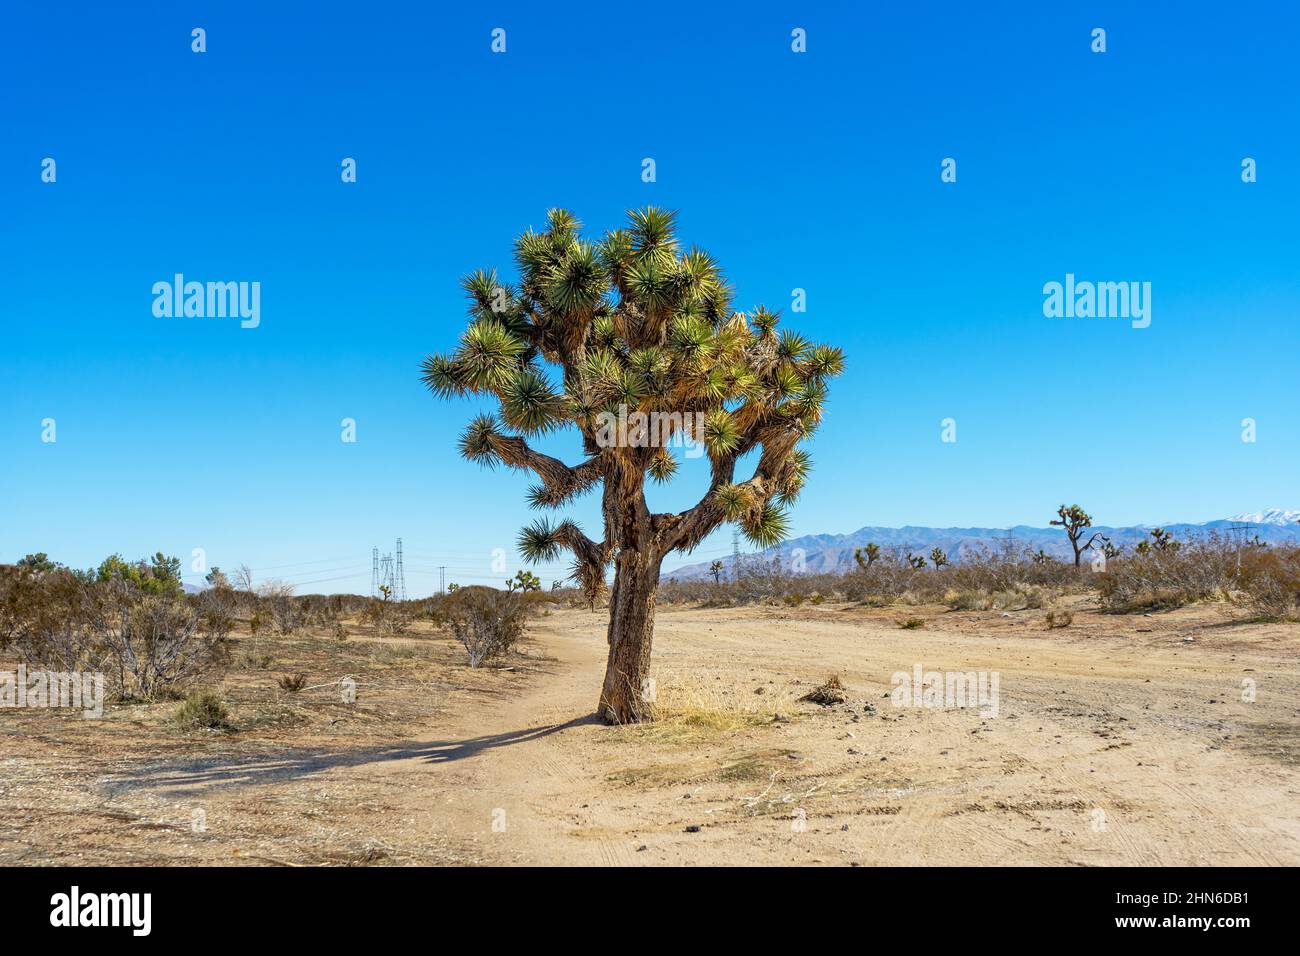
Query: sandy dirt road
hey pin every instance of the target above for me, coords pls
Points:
(1117, 741)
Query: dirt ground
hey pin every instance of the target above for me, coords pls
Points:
(1125, 740)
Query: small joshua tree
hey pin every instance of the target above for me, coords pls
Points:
(866, 557)
(1161, 540)
(524, 581)
(939, 557)
(633, 329)
(916, 561)
(716, 570)
(1076, 521)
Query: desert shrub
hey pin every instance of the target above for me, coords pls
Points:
(1269, 580)
(147, 641)
(1154, 578)
(292, 683)
(289, 614)
(1059, 619)
(487, 622)
(911, 623)
(202, 710)
(216, 608)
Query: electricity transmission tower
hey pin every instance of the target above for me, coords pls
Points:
(388, 572)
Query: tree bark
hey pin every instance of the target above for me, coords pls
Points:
(626, 696)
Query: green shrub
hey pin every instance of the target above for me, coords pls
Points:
(202, 710)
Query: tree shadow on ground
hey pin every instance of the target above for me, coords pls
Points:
(177, 778)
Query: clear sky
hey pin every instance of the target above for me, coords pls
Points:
(818, 170)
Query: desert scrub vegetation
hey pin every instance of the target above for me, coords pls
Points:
(487, 622)
(130, 621)
(1167, 574)
(983, 581)
(202, 709)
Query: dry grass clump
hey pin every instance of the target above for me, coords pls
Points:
(1057, 619)
(697, 708)
(828, 693)
(911, 623)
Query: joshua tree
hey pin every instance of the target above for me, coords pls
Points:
(1076, 521)
(939, 557)
(867, 556)
(916, 561)
(1161, 540)
(716, 570)
(524, 581)
(632, 330)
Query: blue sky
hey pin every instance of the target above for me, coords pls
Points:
(818, 170)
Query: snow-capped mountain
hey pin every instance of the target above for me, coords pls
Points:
(1271, 516)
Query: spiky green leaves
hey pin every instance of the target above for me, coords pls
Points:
(722, 435)
(766, 527)
(691, 339)
(825, 361)
(488, 356)
(734, 500)
(478, 443)
(762, 523)
(439, 375)
(652, 234)
(528, 404)
(663, 465)
(577, 283)
(539, 542)
(792, 346)
(793, 476)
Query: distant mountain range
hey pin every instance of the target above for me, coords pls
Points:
(833, 553)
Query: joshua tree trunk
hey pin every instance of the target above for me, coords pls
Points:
(625, 698)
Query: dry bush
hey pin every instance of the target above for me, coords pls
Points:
(147, 644)
(202, 710)
(1201, 569)
(1057, 619)
(292, 682)
(289, 614)
(911, 623)
(487, 622)
(1269, 580)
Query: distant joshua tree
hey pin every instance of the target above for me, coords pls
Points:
(1076, 521)
(631, 328)
(916, 561)
(867, 556)
(716, 570)
(1161, 540)
(524, 581)
(939, 557)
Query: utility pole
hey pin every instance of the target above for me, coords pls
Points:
(442, 579)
